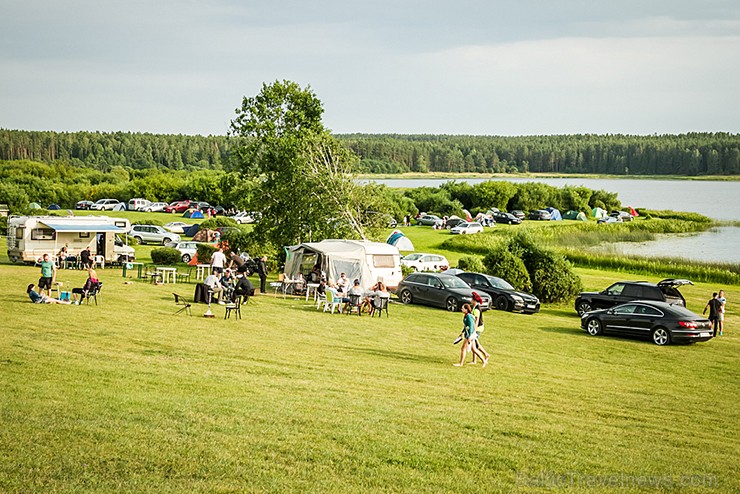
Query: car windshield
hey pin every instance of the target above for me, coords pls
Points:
(499, 283)
(462, 225)
(454, 282)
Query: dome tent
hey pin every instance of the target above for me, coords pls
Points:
(193, 214)
(554, 214)
(400, 240)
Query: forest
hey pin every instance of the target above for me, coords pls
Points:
(692, 154)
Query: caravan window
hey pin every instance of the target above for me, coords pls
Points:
(42, 234)
(384, 261)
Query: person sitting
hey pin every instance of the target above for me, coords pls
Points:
(91, 283)
(227, 283)
(315, 275)
(43, 299)
(380, 293)
(62, 256)
(342, 283)
(214, 286)
(356, 290)
(243, 287)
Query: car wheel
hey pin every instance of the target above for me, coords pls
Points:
(166, 240)
(414, 269)
(186, 258)
(149, 210)
(406, 297)
(661, 336)
(139, 240)
(583, 307)
(452, 304)
(593, 326)
(502, 303)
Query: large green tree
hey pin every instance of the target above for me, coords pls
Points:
(302, 175)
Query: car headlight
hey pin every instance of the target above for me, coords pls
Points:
(517, 298)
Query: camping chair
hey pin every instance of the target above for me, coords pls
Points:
(379, 305)
(99, 261)
(355, 302)
(332, 302)
(184, 304)
(235, 306)
(182, 277)
(92, 294)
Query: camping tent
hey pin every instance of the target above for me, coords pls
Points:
(598, 213)
(206, 236)
(121, 206)
(193, 214)
(632, 211)
(191, 230)
(400, 240)
(34, 205)
(366, 261)
(575, 215)
(554, 214)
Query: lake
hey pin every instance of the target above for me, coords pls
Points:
(716, 199)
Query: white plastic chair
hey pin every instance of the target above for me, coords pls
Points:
(99, 261)
(332, 301)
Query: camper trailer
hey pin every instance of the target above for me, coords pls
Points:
(367, 261)
(30, 237)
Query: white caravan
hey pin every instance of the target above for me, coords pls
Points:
(30, 237)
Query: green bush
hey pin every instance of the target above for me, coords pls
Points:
(205, 251)
(503, 263)
(471, 263)
(218, 221)
(149, 221)
(166, 255)
(553, 279)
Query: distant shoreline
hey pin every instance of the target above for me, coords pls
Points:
(453, 176)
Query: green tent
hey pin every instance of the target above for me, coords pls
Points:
(575, 215)
(34, 205)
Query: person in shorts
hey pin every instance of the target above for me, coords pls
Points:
(38, 298)
(721, 314)
(714, 306)
(48, 275)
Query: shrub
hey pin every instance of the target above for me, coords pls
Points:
(165, 255)
(471, 263)
(553, 279)
(205, 251)
(149, 221)
(502, 263)
(218, 221)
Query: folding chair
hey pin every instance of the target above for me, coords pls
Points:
(355, 302)
(235, 306)
(184, 304)
(379, 305)
(92, 294)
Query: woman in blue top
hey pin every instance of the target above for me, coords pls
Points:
(469, 337)
(37, 298)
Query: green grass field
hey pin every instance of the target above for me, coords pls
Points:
(127, 397)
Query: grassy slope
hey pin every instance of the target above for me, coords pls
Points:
(127, 397)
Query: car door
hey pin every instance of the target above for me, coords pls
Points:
(436, 293)
(610, 297)
(620, 319)
(419, 287)
(645, 319)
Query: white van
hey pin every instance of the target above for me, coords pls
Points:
(30, 237)
(138, 204)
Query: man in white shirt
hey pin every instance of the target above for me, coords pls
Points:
(214, 285)
(218, 259)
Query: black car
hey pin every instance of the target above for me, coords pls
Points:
(662, 322)
(84, 204)
(540, 214)
(439, 290)
(504, 296)
(503, 217)
(453, 221)
(627, 291)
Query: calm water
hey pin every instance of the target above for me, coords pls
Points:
(718, 200)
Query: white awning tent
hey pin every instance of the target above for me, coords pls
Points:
(366, 261)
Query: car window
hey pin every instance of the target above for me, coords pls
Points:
(615, 289)
(453, 282)
(632, 291)
(624, 309)
(480, 280)
(499, 283)
(434, 282)
(648, 311)
(420, 278)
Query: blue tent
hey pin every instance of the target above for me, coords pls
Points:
(193, 214)
(191, 230)
(554, 214)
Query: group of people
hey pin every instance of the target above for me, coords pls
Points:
(48, 278)
(471, 333)
(716, 307)
(234, 262)
(228, 285)
(85, 258)
(343, 291)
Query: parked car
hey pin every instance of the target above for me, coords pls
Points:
(504, 296)
(219, 210)
(438, 290)
(187, 249)
(662, 322)
(137, 204)
(83, 204)
(155, 207)
(105, 205)
(153, 234)
(623, 215)
(425, 262)
(180, 206)
(467, 228)
(244, 217)
(627, 291)
(518, 213)
(508, 218)
(429, 220)
(176, 226)
(540, 214)
(453, 221)
(609, 219)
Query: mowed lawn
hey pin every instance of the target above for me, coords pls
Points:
(128, 397)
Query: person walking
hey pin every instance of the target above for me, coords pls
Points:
(469, 337)
(721, 314)
(478, 314)
(48, 275)
(262, 272)
(714, 306)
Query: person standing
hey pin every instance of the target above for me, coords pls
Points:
(469, 337)
(721, 315)
(236, 262)
(48, 275)
(714, 306)
(86, 258)
(262, 272)
(218, 259)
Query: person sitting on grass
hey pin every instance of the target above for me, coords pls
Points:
(91, 283)
(43, 299)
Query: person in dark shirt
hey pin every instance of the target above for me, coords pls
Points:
(243, 286)
(262, 272)
(85, 256)
(714, 305)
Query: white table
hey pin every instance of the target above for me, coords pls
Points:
(168, 274)
(201, 271)
(315, 288)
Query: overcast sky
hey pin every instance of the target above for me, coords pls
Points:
(516, 67)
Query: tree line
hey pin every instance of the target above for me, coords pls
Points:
(685, 154)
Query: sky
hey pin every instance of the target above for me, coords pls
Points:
(485, 67)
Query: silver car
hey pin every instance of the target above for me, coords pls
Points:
(153, 234)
